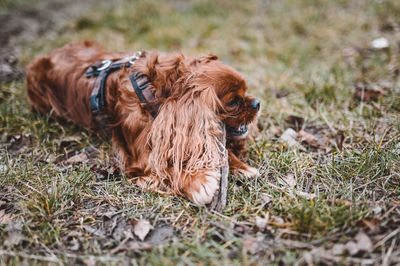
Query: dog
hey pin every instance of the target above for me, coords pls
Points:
(166, 114)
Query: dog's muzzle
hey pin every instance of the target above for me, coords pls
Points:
(237, 131)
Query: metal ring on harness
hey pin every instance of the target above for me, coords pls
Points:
(106, 64)
(134, 57)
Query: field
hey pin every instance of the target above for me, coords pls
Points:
(328, 77)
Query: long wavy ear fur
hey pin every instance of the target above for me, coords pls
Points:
(186, 137)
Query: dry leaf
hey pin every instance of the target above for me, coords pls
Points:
(266, 198)
(4, 217)
(340, 137)
(352, 248)
(338, 249)
(362, 243)
(261, 222)
(141, 228)
(288, 180)
(14, 234)
(160, 235)
(372, 93)
(377, 210)
(380, 43)
(79, 158)
(309, 139)
(289, 137)
(371, 223)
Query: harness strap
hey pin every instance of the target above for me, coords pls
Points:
(101, 69)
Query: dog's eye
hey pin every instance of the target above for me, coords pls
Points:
(232, 103)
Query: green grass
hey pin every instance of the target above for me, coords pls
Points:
(315, 51)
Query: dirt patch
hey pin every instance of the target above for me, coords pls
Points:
(20, 26)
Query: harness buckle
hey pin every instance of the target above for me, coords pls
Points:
(134, 57)
(106, 64)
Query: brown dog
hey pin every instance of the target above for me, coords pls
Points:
(165, 113)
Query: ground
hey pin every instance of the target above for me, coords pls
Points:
(327, 74)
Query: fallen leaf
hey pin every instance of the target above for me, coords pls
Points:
(380, 43)
(74, 245)
(141, 228)
(79, 158)
(288, 180)
(377, 210)
(262, 222)
(338, 249)
(289, 137)
(364, 242)
(368, 94)
(266, 198)
(309, 139)
(4, 217)
(361, 243)
(352, 248)
(14, 234)
(371, 223)
(119, 230)
(340, 137)
(160, 235)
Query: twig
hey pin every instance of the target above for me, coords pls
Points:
(385, 260)
(387, 237)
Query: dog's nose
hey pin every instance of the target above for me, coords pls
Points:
(255, 104)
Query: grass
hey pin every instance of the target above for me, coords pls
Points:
(306, 200)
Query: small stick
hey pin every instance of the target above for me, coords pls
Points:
(218, 202)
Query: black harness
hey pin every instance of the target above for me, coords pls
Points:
(101, 70)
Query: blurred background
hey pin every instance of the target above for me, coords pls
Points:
(280, 46)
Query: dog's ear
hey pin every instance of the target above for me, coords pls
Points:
(185, 137)
(205, 58)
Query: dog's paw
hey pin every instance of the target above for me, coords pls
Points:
(202, 187)
(148, 183)
(249, 171)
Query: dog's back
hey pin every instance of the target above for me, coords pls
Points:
(57, 82)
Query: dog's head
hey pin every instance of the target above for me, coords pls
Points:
(235, 109)
(206, 100)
